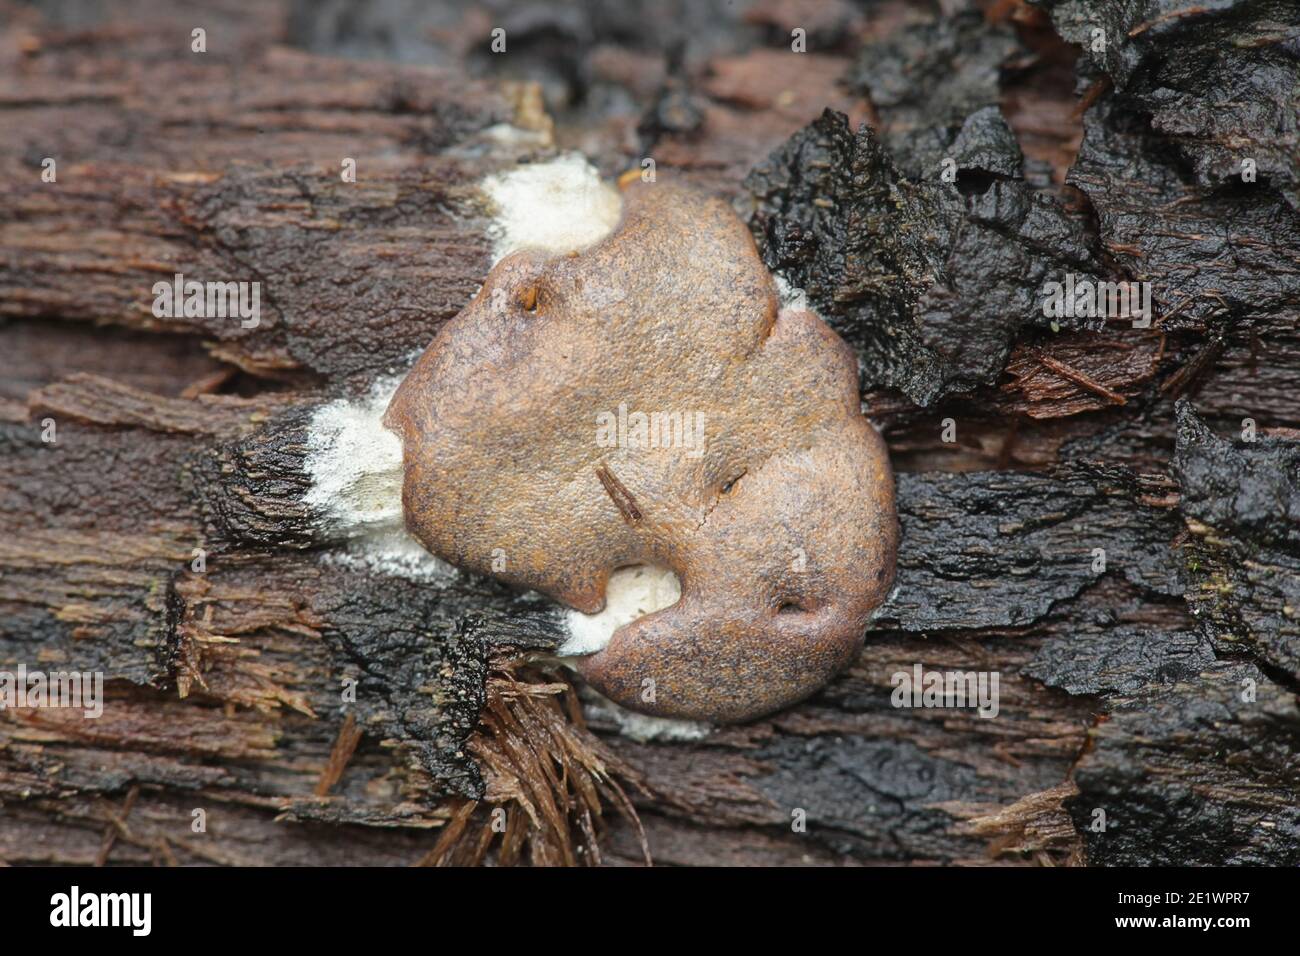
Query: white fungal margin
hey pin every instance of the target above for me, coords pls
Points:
(632, 592)
(355, 467)
(355, 463)
(789, 296)
(561, 205)
(640, 727)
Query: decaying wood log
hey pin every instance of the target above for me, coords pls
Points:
(1128, 571)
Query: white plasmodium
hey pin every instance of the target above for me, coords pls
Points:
(355, 465)
(355, 462)
(561, 205)
(643, 727)
(632, 592)
(791, 297)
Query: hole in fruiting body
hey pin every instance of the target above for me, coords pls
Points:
(729, 484)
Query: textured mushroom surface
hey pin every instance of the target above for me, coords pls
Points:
(773, 503)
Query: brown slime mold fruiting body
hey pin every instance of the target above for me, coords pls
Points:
(779, 522)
